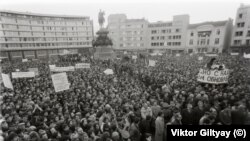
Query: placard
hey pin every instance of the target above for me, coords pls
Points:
(6, 81)
(151, 63)
(60, 81)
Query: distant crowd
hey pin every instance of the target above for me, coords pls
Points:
(136, 103)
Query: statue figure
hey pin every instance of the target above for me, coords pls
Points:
(101, 18)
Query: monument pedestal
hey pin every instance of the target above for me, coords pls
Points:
(104, 53)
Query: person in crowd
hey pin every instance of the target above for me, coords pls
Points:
(135, 103)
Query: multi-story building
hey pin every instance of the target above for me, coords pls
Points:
(241, 31)
(127, 34)
(170, 36)
(209, 37)
(29, 35)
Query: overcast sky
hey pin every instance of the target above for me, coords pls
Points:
(152, 10)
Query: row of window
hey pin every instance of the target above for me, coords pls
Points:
(132, 45)
(44, 22)
(44, 44)
(204, 41)
(165, 31)
(18, 33)
(131, 39)
(163, 37)
(239, 42)
(164, 44)
(132, 32)
(240, 33)
(42, 28)
(205, 33)
(28, 39)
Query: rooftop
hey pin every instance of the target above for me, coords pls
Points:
(217, 23)
(41, 15)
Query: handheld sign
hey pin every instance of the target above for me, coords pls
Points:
(60, 81)
(82, 65)
(6, 81)
(109, 71)
(151, 63)
(23, 74)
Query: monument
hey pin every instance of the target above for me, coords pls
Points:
(103, 44)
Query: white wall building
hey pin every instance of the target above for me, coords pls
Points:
(241, 31)
(170, 36)
(127, 34)
(209, 37)
(30, 35)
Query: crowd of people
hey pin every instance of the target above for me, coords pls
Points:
(136, 103)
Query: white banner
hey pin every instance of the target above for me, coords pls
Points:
(23, 74)
(213, 76)
(24, 60)
(151, 63)
(62, 69)
(6, 81)
(52, 66)
(246, 55)
(234, 54)
(211, 55)
(134, 57)
(109, 71)
(34, 70)
(82, 65)
(60, 81)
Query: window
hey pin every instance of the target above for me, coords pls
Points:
(240, 24)
(161, 44)
(239, 33)
(218, 32)
(192, 34)
(248, 33)
(247, 42)
(162, 37)
(237, 42)
(240, 15)
(191, 42)
(163, 31)
(153, 31)
(177, 30)
(217, 41)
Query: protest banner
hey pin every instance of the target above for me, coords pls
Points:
(82, 65)
(109, 71)
(200, 58)
(151, 63)
(211, 55)
(6, 81)
(213, 76)
(62, 69)
(234, 54)
(52, 66)
(60, 81)
(34, 70)
(134, 57)
(24, 60)
(246, 55)
(23, 74)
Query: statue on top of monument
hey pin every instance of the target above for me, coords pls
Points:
(101, 18)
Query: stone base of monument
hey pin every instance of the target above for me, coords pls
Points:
(104, 53)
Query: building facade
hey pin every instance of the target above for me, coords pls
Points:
(169, 36)
(241, 32)
(29, 35)
(209, 37)
(127, 34)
